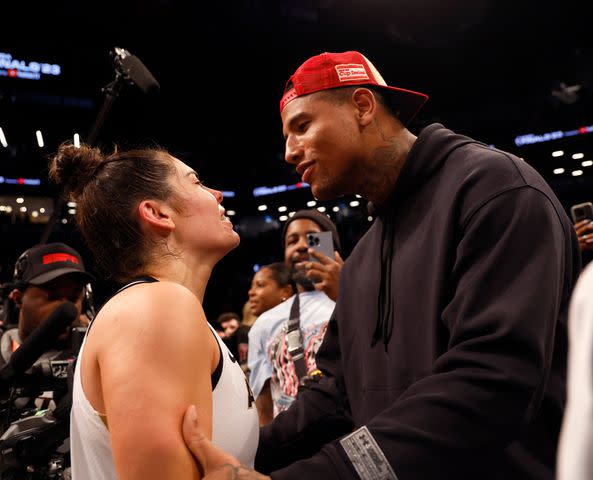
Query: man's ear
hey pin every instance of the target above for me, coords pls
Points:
(17, 297)
(366, 105)
(156, 216)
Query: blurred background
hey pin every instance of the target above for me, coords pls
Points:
(516, 75)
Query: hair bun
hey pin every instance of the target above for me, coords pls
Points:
(72, 168)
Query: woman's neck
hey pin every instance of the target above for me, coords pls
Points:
(193, 275)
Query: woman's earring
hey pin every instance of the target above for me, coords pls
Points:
(283, 299)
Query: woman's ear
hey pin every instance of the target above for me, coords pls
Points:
(287, 291)
(156, 216)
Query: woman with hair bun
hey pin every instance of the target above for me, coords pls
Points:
(152, 225)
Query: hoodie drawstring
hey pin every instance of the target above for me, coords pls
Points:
(384, 326)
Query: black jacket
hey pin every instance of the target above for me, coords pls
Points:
(448, 341)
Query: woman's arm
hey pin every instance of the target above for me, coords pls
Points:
(158, 360)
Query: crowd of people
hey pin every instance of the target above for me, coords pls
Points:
(437, 348)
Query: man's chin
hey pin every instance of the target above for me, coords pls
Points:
(323, 192)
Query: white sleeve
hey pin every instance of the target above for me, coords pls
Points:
(575, 447)
(260, 368)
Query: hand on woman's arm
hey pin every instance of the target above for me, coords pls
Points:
(217, 464)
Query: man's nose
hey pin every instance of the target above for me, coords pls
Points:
(293, 151)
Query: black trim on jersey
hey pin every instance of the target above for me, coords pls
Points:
(215, 376)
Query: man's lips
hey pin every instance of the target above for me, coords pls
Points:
(301, 167)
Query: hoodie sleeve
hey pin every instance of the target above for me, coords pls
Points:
(509, 282)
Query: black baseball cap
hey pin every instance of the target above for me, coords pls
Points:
(43, 263)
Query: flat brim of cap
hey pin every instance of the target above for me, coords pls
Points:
(405, 103)
(49, 276)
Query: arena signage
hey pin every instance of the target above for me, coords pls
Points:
(30, 70)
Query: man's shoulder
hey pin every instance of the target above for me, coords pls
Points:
(317, 305)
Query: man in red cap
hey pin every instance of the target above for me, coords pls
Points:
(447, 348)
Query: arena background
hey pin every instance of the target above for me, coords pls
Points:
(494, 70)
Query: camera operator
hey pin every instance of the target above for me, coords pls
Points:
(44, 277)
(50, 291)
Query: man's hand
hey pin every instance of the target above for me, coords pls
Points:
(326, 273)
(214, 463)
(584, 230)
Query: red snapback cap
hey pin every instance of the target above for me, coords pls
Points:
(333, 70)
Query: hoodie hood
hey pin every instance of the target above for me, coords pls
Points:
(428, 153)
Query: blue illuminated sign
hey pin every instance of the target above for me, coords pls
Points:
(531, 138)
(30, 70)
(261, 191)
(20, 181)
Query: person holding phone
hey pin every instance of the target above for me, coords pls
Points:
(274, 374)
(582, 216)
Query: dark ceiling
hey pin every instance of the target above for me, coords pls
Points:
(490, 67)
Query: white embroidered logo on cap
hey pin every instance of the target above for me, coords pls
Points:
(351, 72)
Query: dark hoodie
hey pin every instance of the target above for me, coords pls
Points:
(449, 337)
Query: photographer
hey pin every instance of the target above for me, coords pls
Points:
(44, 277)
(49, 294)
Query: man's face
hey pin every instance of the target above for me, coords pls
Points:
(37, 302)
(323, 140)
(295, 247)
(230, 327)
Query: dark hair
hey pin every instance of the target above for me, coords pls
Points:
(281, 274)
(107, 190)
(320, 219)
(228, 316)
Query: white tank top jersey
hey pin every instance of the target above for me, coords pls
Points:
(235, 425)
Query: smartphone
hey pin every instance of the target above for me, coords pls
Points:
(323, 242)
(582, 211)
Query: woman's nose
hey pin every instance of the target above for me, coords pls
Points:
(217, 194)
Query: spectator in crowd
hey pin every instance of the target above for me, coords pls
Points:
(447, 347)
(229, 323)
(277, 366)
(272, 284)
